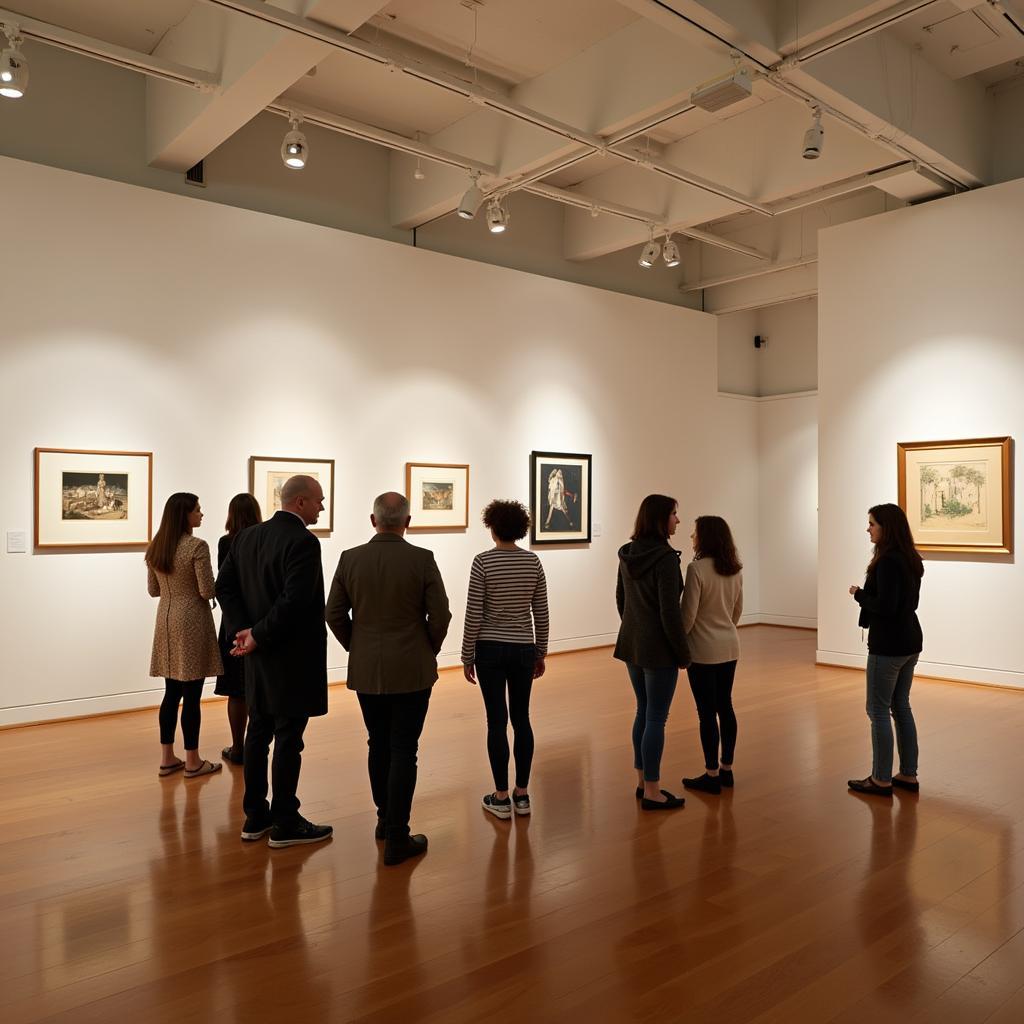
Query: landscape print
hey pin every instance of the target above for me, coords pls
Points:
(95, 496)
(954, 494)
(438, 497)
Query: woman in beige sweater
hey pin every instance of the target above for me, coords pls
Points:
(185, 647)
(712, 604)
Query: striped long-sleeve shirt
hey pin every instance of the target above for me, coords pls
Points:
(508, 601)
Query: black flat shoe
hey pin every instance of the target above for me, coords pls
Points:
(669, 803)
(378, 832)
(869, 787)
(725, 777)
(639, 792)
(913, 787)
(705, 783)
(398, 850)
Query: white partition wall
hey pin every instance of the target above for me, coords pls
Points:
(136, 320)
(921, 338)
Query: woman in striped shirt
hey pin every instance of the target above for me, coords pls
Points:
(504, 646)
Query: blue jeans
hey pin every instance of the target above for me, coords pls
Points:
(889, 680)
(654, 689)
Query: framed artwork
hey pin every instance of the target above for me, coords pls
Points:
(958, 495)
(92, 499)
(559, 498)
(438, 494)
(267, 475)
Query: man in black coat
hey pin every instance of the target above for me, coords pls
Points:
(273, 582)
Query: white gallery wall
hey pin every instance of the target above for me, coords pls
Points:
(920, 338)
(138, 320)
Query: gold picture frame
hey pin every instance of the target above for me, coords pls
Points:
(958, 495)
(268, 472)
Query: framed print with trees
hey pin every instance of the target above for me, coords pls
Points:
(559, 498)
(438, 494)
(958, 495)
(267, 475)
(92, 499)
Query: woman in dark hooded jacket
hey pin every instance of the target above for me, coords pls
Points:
(651, 639)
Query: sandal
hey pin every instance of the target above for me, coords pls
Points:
(206, 768)
(170, 769)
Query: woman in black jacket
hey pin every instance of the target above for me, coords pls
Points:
(651, 639)
(888, 602)
(243, 511)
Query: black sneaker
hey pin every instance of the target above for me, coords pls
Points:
(299, 832)
(705, 783)
(256, 827)
(521, 803)
(398, 850)
(725, 777)
(499, 808)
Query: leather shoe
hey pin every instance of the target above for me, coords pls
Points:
(398, 850)
(869, 787)
(378, 832)
(913, 787)
(669, 803)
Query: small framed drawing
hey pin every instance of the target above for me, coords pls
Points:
(93, 499)
(559, 498)
(958, 495)
(267, 475)
(438, 494)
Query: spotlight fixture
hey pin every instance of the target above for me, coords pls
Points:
(814, 137)
(472, 199)
(295, 148)
(13, 66)
(497, 217)
(670, 252)
(418, 174)
(650, 252)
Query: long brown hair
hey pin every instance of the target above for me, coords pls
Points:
(243, 511)
(173, 526)
(896, 537)
(714, 541)
(652, 517)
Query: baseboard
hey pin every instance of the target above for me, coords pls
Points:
(933, 670)
(150, 697)
(794, 621)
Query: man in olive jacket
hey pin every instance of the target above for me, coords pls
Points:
(389, 609)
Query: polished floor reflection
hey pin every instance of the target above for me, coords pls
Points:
(125, 897)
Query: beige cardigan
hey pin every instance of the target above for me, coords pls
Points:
(711, 607)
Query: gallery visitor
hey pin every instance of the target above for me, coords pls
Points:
(888, 609)
(651, 640)
(712, 605)
(504, 645)
(243, 511)
(185, 647)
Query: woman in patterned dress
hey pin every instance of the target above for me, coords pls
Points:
(185, 647)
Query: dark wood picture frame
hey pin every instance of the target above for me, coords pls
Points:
(40, 544)
(1004, 546)
(537, 528)
(464, 523)
(299, 463)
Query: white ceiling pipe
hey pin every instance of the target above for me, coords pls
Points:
(841, 188)
(120, 56)
(585, 202)
(371, 133)
(876, 23)
(484, 97)
(744, 275)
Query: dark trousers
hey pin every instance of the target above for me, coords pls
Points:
(502, 667)
(712, 693)
(187, 694)
(654, 689)
(287, 736)
(394, 722)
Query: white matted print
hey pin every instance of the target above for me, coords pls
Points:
(438, 494)
(93, 499)
(267, 475)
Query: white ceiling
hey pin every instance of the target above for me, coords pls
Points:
(913, 92)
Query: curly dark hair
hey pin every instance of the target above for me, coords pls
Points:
(508, 518)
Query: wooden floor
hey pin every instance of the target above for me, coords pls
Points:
(124, 897)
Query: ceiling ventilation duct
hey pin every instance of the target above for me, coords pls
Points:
(723, 92)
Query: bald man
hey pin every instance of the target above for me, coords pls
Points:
(389, 609)
(273, 582)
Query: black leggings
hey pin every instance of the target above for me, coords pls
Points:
(712, 693)
(501, 667)
(188, 693)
